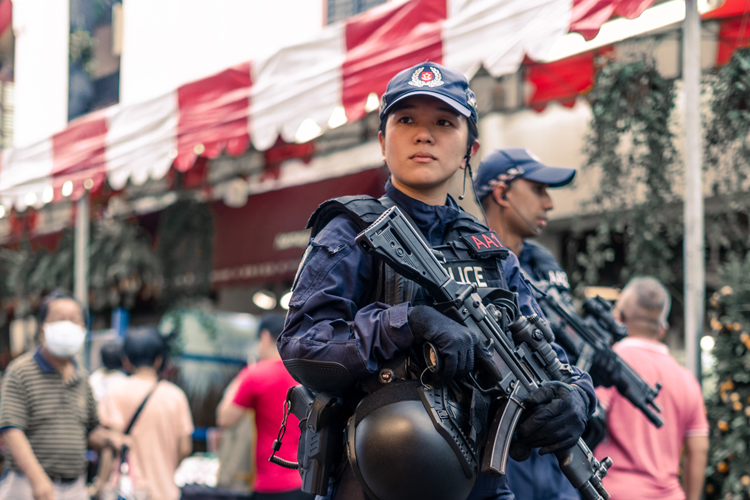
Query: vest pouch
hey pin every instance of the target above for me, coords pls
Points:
(321, 424)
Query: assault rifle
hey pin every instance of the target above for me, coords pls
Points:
(583, 338)
(513, 371)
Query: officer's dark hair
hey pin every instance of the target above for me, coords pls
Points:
(274, 323)
(473, 130)
(111, 354)
(143, 346)
(51, 297)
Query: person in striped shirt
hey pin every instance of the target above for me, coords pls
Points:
(48, 414)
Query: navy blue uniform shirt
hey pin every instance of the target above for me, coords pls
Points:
(329, 318)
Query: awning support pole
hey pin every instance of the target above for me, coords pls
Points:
(81, 260)
(694, 233)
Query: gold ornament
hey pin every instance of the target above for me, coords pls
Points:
(722, 467)
(723, 426)
(734, 397)
(745, 480)
(737, 406)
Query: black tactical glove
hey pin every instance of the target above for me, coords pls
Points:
(455, 343)
(605, 370)
(554, 418)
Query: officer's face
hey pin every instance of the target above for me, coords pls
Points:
(532, 202)
(424, 145)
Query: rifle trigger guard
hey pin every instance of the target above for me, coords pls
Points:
(514, 396)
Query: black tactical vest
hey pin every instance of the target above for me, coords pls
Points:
(471, 253)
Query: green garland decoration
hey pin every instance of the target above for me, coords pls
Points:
(728, 126)
(185, 249)
(122, 266)
(631, 143)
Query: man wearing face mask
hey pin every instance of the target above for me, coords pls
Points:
(48, 413)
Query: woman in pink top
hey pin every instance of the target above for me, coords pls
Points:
(263, 387)
(162, 434)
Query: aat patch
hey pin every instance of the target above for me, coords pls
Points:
(484, 244)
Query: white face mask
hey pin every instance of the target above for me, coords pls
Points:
(63, 338)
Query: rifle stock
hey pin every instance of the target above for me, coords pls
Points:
(515, 371)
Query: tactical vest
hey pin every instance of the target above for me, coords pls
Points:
(544, 265)
(471, 253)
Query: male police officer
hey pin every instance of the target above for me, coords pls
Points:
(349, 316)
(511, 185)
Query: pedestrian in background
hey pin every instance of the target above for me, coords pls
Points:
(111, 371)
(161, 434)
(646, 460)
(48, 413)
(263, 387)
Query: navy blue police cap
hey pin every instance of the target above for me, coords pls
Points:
(434, 80)
(505, 165)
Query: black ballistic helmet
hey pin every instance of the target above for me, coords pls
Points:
(397, 453)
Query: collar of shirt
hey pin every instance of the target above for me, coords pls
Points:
(651, 345)
(42, 362)
(432, 220)
(47, 368)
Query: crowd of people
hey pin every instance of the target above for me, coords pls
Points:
(51, 412)
(365, 338)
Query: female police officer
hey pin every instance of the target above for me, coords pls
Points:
(345, 322)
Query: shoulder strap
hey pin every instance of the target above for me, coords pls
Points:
(362, 210)
(140, 408)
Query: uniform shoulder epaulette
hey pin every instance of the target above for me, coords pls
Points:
(363, 210)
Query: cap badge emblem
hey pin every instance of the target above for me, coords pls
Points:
(430, 78)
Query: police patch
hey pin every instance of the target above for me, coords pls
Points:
(484, 244)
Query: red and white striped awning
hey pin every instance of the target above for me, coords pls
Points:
(261, 100)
